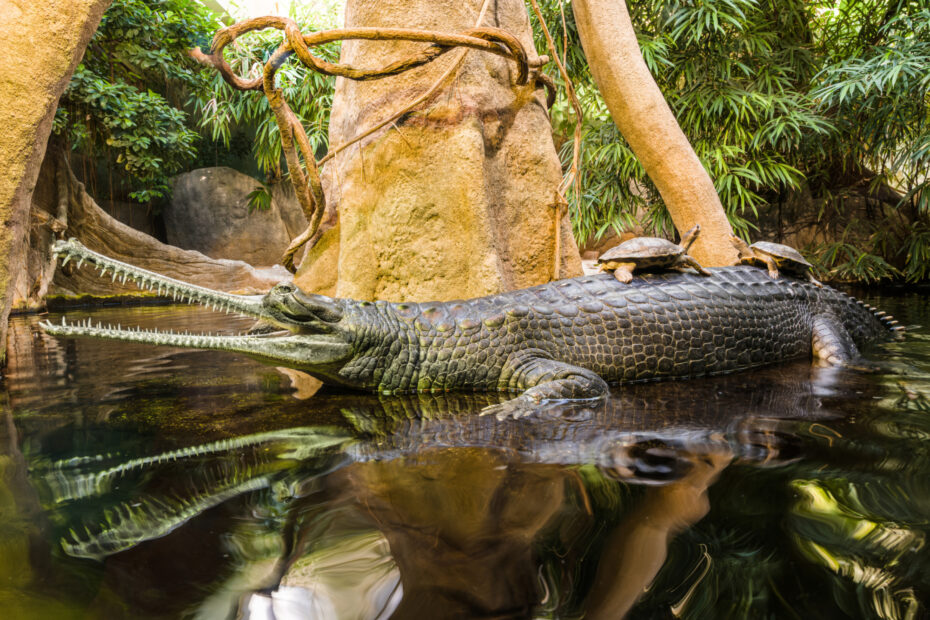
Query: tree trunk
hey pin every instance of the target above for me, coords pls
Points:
(645, 120)
(459, 197)
(42, 43)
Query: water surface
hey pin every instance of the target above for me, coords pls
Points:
(142, 482)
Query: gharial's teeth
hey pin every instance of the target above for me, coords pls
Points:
(65, 262)
(80, 262)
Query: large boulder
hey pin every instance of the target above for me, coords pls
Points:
(209, 212)
(456, 199)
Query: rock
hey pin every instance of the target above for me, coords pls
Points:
(456, 199)
(209, 212)
(42, 43)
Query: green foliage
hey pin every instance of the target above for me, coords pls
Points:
(224, 111)
(774, 96)
(843, 261)
(260, 198)
(878, 91)
(730, 70)
(123, 105)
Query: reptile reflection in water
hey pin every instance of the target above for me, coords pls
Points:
(442, 487)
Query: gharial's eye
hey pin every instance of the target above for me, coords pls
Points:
(284, 288)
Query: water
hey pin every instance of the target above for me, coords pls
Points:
(139, 482)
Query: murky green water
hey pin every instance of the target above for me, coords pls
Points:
(138, 482)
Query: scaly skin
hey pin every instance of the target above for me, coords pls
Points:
(565, 339)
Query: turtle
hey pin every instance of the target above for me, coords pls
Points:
(774, 257)
(643, 253)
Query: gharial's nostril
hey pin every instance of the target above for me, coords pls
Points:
(285, 287)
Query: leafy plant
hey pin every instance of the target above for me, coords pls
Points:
(731, 71)
(260, 198)
(776, 98)
(876, 85)
(123, 107)
(223, 111)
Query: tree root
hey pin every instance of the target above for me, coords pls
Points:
(298, 152)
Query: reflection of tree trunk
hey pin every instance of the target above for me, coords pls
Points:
(645, 120)
(457, 198)
(61, 208)
(42, 42)
(636, 550)
(26, 554)
(462, 525)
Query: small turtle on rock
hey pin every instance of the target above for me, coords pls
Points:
(650, 253)
(774, 257)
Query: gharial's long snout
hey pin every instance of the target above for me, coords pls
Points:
(310, 340)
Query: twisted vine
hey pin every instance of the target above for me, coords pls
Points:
(294, 141)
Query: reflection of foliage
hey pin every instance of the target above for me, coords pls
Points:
(123, 105)
(835, 529)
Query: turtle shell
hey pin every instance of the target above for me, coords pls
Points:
(784, 255)
(644, 252)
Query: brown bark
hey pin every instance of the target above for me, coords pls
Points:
(645, 120)
(42, 43)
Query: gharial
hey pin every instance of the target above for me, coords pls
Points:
(563, 340)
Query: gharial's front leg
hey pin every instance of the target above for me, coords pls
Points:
(543, 379)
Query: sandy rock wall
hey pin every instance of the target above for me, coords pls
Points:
(454, 200)
(42, 43)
